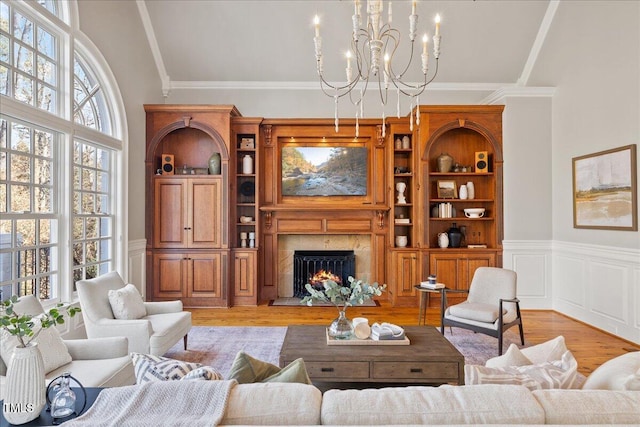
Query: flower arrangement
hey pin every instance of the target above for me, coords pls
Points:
(357, 292)
(22, 325)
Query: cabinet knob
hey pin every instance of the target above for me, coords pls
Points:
(326, 369)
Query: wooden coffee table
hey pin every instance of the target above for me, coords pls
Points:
(430, 359)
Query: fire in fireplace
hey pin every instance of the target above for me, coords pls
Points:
(334, 265)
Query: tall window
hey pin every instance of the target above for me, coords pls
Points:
(57, 180)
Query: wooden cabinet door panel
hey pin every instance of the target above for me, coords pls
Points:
(244, 274)
(170, 213)
(170, 275)
(406, 273)
(205, 214)
(205, 275)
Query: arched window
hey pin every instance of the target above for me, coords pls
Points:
(58, 155)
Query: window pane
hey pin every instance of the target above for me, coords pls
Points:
(103, 160)
(91, 252)
(3, 198)
(43, 200)
(4, 80)
(91, 231)
(89, 155)
(102, 205)
(46, 71)
(43, 169)
(23, 58)
(46, 98)
(4, 49)
(20, 138)
(23, 89)
(46, 43)
(78, 228)
(88, 180)
(3, 166)
(88, 203)
(4, 17)
(20, 168)
(76, 203)
(105, 250)
(3, 133)
(26, 232)
(105, 227)
(23, 29)
(44, 236)
(50, 5)
(78, 254)
(43, 143)
(20, 198)
(102, 182)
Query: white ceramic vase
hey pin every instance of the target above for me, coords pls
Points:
(463, 193)
(443, 240)
(25, 389)
(247, 165)
(471, 190)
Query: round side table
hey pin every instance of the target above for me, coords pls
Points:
(424, 301)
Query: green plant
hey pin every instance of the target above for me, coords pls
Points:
(22, 325)
(343, 296)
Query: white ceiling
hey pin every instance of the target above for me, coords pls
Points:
(485, 44)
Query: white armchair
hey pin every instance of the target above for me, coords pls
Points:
(102, 362)
(164, 324)
(491, 306)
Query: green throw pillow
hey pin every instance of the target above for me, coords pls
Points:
(247, 369)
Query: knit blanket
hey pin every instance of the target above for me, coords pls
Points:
(190, 403)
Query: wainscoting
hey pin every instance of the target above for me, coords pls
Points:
(598, 285)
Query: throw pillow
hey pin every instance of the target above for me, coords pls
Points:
(246, 369)
(562, 373)
(126, 303)
(547, 351)
(619, 373)
(52, 348)
(513, 357)
(149, 368)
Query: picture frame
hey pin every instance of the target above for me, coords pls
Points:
(447, 189)
(605, 190)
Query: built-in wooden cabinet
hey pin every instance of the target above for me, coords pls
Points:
(188, 206)
(404, 275)
(187, 212)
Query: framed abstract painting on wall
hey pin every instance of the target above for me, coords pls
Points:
(605, 190)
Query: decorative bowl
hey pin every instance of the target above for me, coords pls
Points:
(474, 212)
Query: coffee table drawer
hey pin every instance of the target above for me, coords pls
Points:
(415, 370)
(337, 370)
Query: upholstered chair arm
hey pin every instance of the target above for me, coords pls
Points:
(160, 307)
(516, 300)
(137, 331)
(97, 348)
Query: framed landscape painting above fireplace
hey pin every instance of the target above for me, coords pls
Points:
(324, 171)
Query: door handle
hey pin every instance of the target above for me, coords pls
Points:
(326, 369)
(416, 370)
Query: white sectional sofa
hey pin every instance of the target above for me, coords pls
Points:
(299, 404)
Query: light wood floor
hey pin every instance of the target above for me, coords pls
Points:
(591, 347)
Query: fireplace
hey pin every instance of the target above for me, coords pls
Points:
(307, 263)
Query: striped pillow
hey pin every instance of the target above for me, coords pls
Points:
(156, 368)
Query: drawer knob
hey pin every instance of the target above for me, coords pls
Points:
(416, 370)
(326, 369)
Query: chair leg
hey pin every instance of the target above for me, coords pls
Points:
(500, 344)
(184, 339)
(521, 332)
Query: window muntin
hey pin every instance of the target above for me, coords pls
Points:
(29, 60)
(29, 226)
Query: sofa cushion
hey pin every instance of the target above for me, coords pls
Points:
(589, 406)
(512, 357)
(126, 303)
(54, 351)
(247, 369)
(620, 373)
(168, 328)
(558, 374)
(489, 404)
(150, 368)
(273, 404)
(114, 372)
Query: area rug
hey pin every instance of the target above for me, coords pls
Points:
(217, 346)
(295, 302)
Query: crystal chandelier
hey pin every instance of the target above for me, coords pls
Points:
(372, 50)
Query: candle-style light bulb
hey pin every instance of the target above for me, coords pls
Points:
(390, 14)
(425, 41)
(413, 7)
(437, 24)
(316, 22)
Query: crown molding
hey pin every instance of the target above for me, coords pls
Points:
(499, 95)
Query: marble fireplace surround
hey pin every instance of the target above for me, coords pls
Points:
(360, 244)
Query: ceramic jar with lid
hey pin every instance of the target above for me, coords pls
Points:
(444, 162)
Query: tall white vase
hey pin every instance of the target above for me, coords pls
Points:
(471, 190)
(25, 388)
(247, 165)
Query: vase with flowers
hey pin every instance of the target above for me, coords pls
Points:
(342, 296)
(25, 381)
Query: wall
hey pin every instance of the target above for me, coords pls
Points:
(129, 56)
(592, 57)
